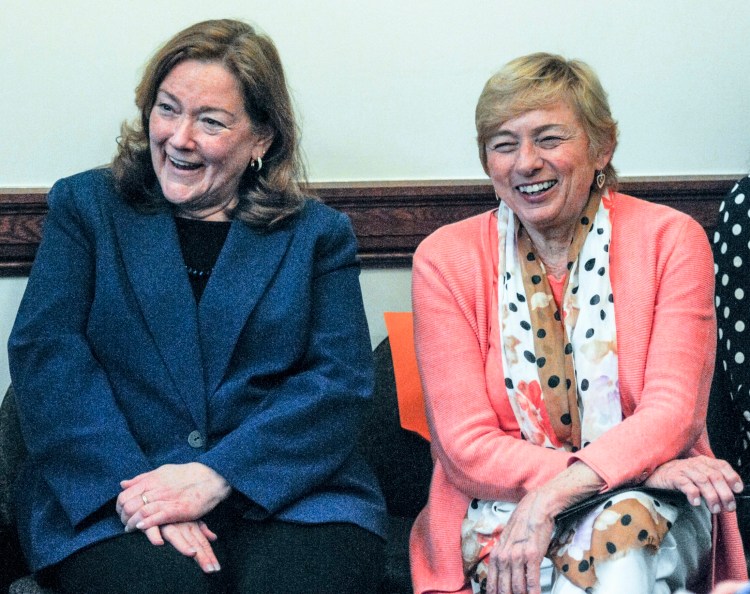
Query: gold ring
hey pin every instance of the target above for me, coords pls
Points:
(145, 499)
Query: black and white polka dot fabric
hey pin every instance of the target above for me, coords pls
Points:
(732, 268)
(558, 381)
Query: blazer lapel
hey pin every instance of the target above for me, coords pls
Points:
(154, 264)
(246, 265)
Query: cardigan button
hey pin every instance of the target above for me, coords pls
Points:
(195, 439)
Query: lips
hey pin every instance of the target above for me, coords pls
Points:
(537, 187)
(184, 165)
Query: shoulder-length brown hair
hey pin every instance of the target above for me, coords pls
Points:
(267, 196)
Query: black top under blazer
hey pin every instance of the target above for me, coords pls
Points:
(117, 370)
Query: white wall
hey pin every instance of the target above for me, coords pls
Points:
(11, 290)
(385, 89)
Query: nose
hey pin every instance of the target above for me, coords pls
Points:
(182, 134)
(528, 161)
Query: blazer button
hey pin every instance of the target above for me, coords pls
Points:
(195, 439)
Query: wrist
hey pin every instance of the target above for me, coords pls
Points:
(555, 498)
(216, 484)
(575, 484)
(224, 489)
(219, 486)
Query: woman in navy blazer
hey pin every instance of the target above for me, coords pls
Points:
(191, 356)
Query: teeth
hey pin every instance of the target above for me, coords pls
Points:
(534, 188)
(183, 164)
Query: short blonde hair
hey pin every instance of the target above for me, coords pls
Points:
(537, 81)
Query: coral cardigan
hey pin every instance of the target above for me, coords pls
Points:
(662, 279)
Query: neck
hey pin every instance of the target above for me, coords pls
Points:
(552, 249)
(220, 213)
(203, 210)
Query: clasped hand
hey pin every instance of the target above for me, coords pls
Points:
(167, 504)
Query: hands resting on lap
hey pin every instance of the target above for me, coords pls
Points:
(167, 504)
(515, 561)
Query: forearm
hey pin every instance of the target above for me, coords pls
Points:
(276, 457)
(576, 483)
(497, 466)
(72, 428)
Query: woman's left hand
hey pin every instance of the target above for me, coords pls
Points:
(193, 539)
(514, 563)
(713, 480)
(169, 494)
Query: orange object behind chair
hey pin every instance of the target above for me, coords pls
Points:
(408, 384)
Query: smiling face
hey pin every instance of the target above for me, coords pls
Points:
(540, 166)
(202, 139)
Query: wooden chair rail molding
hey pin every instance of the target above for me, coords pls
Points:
(390, 217)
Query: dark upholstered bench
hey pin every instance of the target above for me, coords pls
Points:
(403, 465)
(14, 573)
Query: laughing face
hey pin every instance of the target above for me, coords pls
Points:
(540, 166)
(202, 139)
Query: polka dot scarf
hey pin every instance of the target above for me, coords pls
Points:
(560, 366)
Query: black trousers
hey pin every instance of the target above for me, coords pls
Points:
(255, 557)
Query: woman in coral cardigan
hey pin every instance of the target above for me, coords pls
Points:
(566, 346)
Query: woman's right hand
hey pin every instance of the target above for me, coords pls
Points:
(514, 562)
(701, 476)
(169, 494)
(192, 539)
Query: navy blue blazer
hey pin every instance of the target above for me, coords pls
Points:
(118, 371)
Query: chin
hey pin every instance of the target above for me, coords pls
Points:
(178, 196)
